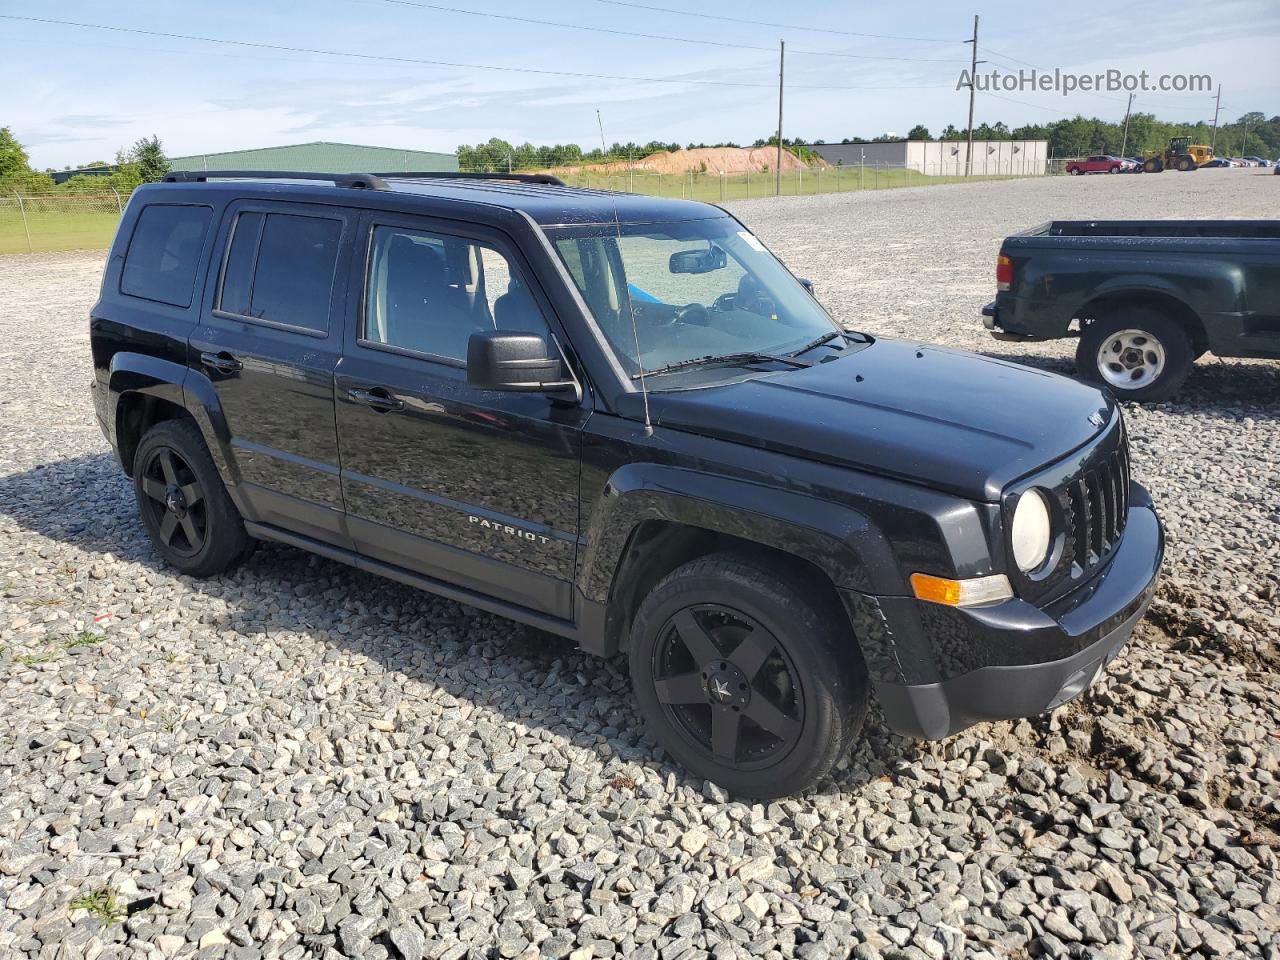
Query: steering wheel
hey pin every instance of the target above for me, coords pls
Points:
(691, 313)
(725, 302)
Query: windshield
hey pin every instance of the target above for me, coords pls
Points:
(697, 289)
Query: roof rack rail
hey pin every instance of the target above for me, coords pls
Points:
(543, 178)
(364, 181)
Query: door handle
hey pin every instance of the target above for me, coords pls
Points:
(377, 398)
(222, 362)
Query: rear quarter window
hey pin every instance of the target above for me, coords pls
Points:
(164, 253)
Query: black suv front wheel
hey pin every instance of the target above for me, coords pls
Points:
(186, 509)
(747, 675)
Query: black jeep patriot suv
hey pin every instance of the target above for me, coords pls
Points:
(620, 419)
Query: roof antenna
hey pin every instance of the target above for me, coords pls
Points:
(644, 390)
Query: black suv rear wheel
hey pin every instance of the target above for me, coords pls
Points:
(186, 509)
(747, 675)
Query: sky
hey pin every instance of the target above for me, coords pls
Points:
(76, 94)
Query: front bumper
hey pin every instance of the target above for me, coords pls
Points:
(1035, 660)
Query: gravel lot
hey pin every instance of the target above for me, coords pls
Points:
(299, 760)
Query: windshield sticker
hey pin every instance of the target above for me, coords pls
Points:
(751, 241)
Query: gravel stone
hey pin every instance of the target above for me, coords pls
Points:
(298, 760)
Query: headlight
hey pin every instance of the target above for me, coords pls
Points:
(1031, 535)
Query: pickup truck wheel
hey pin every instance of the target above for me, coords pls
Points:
(1139, 353)
(743, 673)
(186, 509)
(1074, 171)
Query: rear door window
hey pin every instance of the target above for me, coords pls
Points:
(280, 268)
(164, 253)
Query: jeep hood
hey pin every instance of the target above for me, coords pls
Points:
(943, 418)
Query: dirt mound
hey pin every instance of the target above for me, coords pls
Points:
(713, 160)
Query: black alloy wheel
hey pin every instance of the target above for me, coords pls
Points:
(191, 518)
(728, 686)
(747, 672)
(177, 501)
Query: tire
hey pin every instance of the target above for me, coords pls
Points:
(184, 505)
(1074, 171)
(1153, 166)
(1186, 164)
(748, 653)
(1114, 170)
(1151, 354)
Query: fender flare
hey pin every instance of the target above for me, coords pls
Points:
(137, 373)
(839, 540)
(202, 402)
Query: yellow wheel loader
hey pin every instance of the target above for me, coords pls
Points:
(1181, 155)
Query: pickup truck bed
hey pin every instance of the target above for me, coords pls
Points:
(1146, 297)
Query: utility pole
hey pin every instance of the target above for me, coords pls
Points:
(1125, 141)
(1217, 104)
(604, 151)
(777, 173)
(973, 87)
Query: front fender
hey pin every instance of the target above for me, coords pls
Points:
(839, 540)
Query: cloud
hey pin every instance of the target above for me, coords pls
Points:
(90, 120)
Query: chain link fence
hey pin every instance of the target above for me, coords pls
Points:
(32, 223)
(69, 220)
(720, 187)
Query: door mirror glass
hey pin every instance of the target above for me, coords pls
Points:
(517, 362)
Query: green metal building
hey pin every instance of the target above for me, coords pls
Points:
(321, 157)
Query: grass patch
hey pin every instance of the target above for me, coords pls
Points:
(85, 638)
(57, 231)
(103, 904)
(31, 659)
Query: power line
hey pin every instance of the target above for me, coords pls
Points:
(653, 36)
(1005, 56)
(768, 23)
(447, 63)
(1034, 106)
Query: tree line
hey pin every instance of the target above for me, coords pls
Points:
(144, 162)
(1251, 135)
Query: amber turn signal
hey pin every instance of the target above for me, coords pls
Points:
(961, 593)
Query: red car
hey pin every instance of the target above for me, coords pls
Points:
(1099, 164)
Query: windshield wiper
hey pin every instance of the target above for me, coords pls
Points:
(825, 338)
(725, 358)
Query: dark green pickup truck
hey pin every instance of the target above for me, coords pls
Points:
(1145, 297)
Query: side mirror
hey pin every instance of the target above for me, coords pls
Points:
(807, 284)
(517, 362)
(697, 261)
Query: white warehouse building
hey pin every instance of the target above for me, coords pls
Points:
(942, 158)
